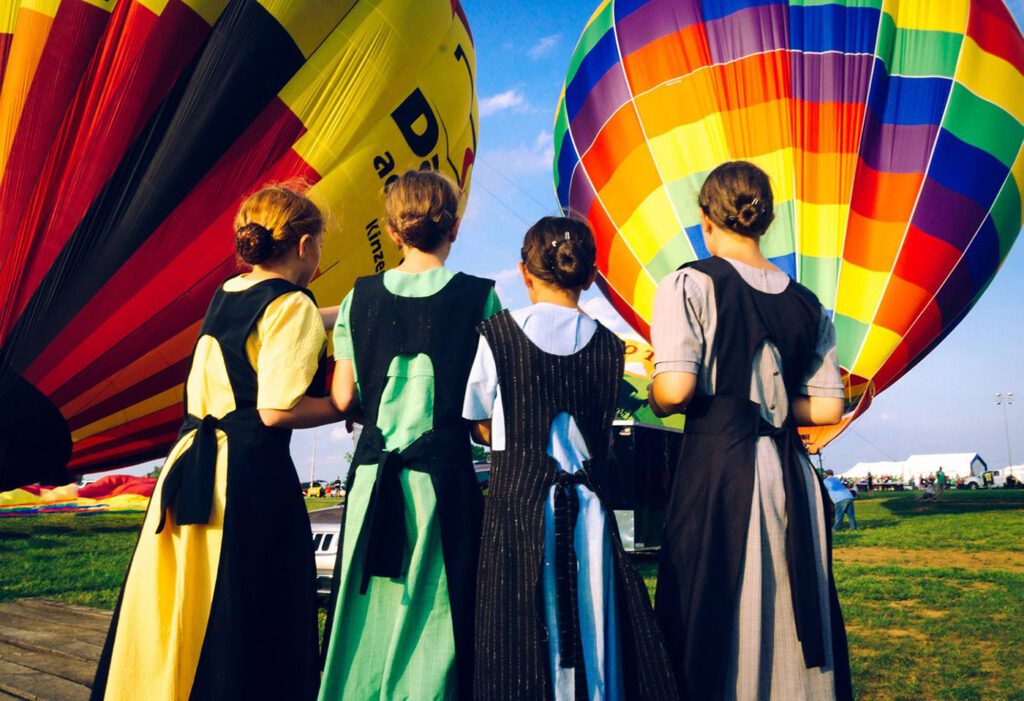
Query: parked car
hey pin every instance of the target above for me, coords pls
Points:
(313, 489)
(483, 475)
(326, 525)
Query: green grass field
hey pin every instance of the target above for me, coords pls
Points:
(932, 593)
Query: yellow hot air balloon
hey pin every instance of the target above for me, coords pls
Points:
(129, 133)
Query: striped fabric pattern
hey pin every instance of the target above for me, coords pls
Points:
(511, 649)
(891, 129)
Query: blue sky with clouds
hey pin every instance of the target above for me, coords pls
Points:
(945, 404)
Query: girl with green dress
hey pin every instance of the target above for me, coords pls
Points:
(400, 620)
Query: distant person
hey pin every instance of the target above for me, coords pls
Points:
(843, 500)
(871, 484)
(749, 354)
(940, 483)
(220, 597)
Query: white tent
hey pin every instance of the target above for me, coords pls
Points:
(877, 469)
(953, 464)
(917, 466)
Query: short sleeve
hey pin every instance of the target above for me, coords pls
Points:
(342, 335)
(482, 388)
(823, 378)
(291, 339)
(677, 334)
(493, 305)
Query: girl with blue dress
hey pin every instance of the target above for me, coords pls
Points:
(560, 611)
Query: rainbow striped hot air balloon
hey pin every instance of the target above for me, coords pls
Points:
(892, 131)
(130, 130)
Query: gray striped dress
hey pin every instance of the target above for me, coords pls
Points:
(766, 660)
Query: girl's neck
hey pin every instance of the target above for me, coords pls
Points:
(417, 261)
(556, 296)
(263, 272)
(741, 248)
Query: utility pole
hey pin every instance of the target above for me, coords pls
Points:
(312, 463)
(1005, 400)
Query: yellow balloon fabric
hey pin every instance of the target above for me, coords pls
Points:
(130, 131)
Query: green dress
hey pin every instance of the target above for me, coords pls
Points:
(396, 641)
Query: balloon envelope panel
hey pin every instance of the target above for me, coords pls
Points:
(129, 133)
(892, 132)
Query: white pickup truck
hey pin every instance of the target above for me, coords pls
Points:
(986, 480)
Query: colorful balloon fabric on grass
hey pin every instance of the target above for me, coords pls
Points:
(892, 131)
(110, 494)
(130, 130)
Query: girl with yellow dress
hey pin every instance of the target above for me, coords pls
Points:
(401, 617)
(219, 599)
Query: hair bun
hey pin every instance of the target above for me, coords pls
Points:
(422, 232)
(422, 207)
(748, 216)
(568, 264)
(737, 195)
(254, 243)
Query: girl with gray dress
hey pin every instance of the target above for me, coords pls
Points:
(746, 598)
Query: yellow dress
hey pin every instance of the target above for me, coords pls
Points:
(219, 599)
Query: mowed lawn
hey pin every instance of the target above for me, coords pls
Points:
(933, 593)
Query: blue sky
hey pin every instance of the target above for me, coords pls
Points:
(945, 404)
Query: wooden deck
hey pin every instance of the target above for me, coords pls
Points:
(49, 650)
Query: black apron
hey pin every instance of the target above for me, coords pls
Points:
(511, 635)
(441, 326)
(261, 635)
(709, 506)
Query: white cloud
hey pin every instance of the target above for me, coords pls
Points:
(506, 282)
(601, 309)
(510, 100)
(543, 46)
(525, 159)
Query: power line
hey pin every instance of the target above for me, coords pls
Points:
(511, 211)
(546, 208)
(873, 445)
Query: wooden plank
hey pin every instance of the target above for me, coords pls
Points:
(13, 620)
(70, 668)
(49, 642)
(57, 616)
(98, 614)
(28, 683)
